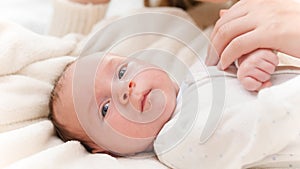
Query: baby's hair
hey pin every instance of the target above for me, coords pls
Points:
(60, 130)
(53, 96)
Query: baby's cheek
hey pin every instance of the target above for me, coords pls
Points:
(116, 121)
(127, 128)
(152, 78)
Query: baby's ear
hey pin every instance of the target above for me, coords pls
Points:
(96, 149)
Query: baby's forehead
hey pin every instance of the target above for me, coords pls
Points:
(63, 104)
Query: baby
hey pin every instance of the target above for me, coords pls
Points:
(124, 87)
(134, 100)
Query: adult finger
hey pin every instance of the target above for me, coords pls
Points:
(239, 46)
(222, 12)
(225, 35)
(236, 11)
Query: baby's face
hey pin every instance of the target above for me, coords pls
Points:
(127, 91)
(135, 99)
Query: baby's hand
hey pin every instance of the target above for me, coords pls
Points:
(255, 69)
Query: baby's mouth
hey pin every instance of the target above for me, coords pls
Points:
(143, 100)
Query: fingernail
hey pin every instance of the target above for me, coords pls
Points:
(222, 12)
(208, 59)
(211, 60)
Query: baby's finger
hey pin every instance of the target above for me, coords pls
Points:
(263, 59)
(236, 11)
(265, 85)
(266, 66)
(250, 83)
(271, 56)
(247, 69)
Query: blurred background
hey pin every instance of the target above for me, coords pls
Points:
(33, 14)
(36, 14)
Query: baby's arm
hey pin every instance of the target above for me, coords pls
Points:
(255, 69)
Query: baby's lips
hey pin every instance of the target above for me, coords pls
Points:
(145, 104)
(157, 101)
(154, 106)
(140, 101)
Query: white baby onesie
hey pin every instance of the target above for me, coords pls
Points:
(232, 128)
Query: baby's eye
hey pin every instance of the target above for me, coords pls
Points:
(122, 72)
(105, 109)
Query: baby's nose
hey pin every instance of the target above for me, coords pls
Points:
(131, 84)
(127, 92)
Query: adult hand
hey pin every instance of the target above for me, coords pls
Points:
(250, 25)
